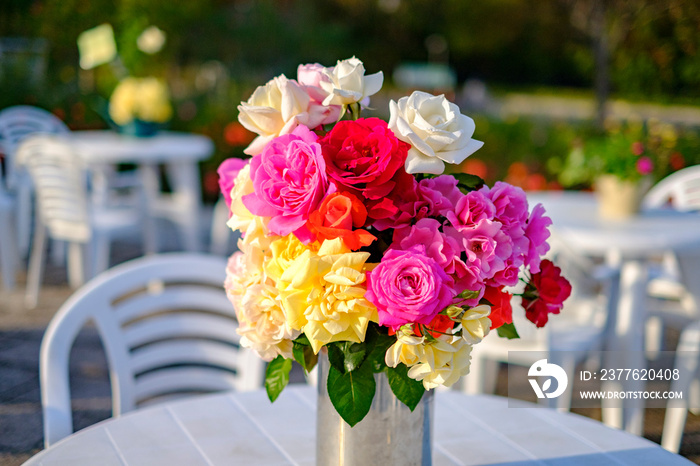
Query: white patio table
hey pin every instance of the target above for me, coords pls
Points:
(245, 428)
(628, 244)
(178, 152)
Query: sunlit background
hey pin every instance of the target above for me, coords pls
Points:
(560, 90)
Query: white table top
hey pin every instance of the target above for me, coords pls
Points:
(246, 429)
(165, 146)
(576, 220)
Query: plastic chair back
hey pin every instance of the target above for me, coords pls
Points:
(167, 328)
(681, 189)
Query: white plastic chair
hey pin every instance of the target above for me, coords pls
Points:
(16, 123)
(680, 190)
(64, 212)
(671, 302)
(687, 363)
(167, 328)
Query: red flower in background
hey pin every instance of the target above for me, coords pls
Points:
(545, 294)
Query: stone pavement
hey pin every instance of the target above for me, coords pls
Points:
(21, 331)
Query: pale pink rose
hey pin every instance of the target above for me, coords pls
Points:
(310, 77)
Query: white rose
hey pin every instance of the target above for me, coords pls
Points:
(348, 84)
(274, 109)
(436, 130)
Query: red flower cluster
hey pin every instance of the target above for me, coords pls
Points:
(545, 293)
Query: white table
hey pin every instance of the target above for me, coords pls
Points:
(246, 429)
(628, 244)
(178, 152)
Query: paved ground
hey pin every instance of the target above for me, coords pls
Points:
(20, 336)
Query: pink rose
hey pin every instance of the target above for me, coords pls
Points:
(289, 178)
(408, 287)
(486, 246)
(510, 202)
(364, 157)
(228, 171)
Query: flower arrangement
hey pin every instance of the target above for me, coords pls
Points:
(630, 151)
(355, 242)
(140, 99)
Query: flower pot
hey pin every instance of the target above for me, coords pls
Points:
(389, 434)
(139, 128)
(619, 199)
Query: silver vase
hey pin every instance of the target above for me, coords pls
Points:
(390, 434)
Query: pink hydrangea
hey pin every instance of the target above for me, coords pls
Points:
(443, 249)
(510, 203)
(408, 287)
(289, 178)
(486, 246)
(471, 209)
(537, 231)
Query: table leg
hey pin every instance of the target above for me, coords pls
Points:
(627, 349)
(151, 190)
(184, 179)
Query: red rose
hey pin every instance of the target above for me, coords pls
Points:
(336, 217)
(501, 310)
(363, 157)
(546, 293)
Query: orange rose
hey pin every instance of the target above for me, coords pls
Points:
(336, 217)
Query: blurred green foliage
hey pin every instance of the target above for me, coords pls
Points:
(218, 51)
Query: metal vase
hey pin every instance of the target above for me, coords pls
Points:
(390, 434)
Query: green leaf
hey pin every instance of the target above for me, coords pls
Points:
(377, 345)
(354, 354)
(277, 376)
(467, 182)
(336, 357)
(305, 356)
(468, 294)
(508, 331)
(351, 392)
(406, 389)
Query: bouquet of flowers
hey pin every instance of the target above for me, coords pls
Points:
(354, 242)
(140, 99)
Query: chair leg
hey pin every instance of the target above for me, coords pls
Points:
(76, 265)
(687, 364)
(36, 264)
(654, 337)
(100, 253)
(8, 251)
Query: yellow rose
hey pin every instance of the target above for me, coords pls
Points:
(323, 294)
(476, 324)
(284, 251)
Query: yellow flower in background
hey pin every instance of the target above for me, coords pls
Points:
(476, 324)
(323, 294)
(145, 99)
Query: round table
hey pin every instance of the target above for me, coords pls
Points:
(627, 244)
(246, 429)
(178, 152)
